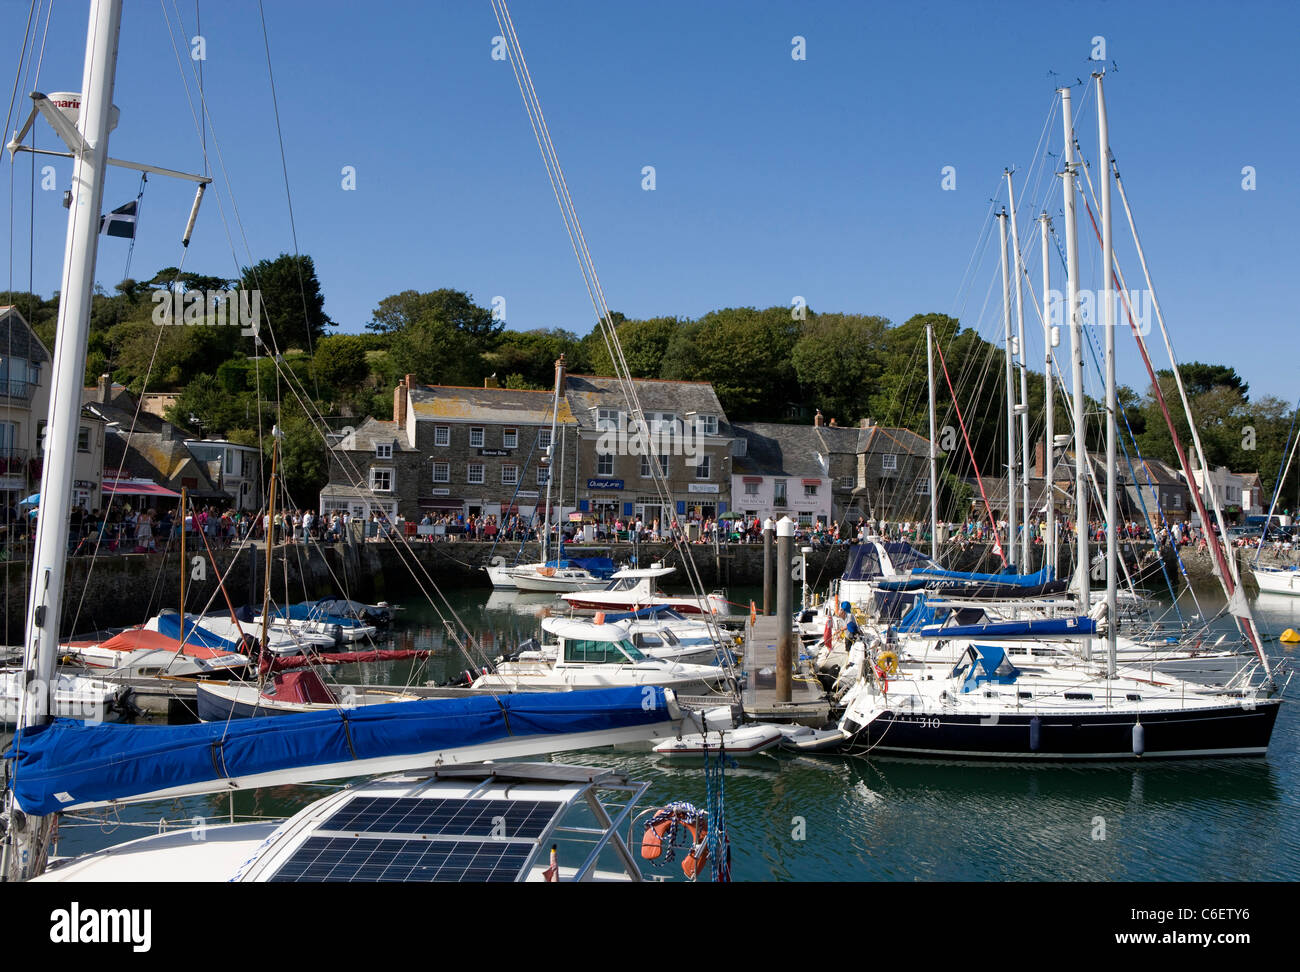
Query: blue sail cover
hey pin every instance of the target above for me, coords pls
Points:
(601, 567)
(1009, 630)
(1044, 576)
(309, 611)
(169, 623)
(66, 762)
(920, 615)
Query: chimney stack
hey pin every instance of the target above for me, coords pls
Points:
(105, 389)
(560, 372)
(833, 423)
(1040, 459)
(399, 400)
(818, 421)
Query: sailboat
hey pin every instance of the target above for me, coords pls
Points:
(62, 765)
(985, 706)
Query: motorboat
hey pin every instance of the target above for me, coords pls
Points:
(633, 588)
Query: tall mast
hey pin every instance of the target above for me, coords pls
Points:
(555, 409)
(1022, 352)
(1108, 292)
(1076, 363)
(1050, 336)
(1011, 399)
(934, 455)
(28, 841)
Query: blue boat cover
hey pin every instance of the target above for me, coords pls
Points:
(648, 613)
(919, 615)
(601, 567)
(1043, 576)
(169, 623)
(68, 762)
(863, 563)
(309, 611)
(1007, 630)
(991, 667)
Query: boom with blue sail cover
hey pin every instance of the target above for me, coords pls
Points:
(68, 764)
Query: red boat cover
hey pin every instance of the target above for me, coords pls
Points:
(141, 639)
(301, 687)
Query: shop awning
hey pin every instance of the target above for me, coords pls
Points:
(751, 479)
(136, 487)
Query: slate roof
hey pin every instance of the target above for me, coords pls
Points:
(453, 403)
(586, 394)
(779, 450)
(365, 436)
(157, 449)
(17, 339)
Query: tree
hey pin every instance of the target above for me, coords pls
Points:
(340, 362)
(435, 352)
(453, 307)
(744, 353)
(293, 306)
(644, 343)
(529, 357)
(838, 361)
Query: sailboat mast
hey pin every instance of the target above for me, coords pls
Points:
(1022, 351)
(555, 414)
(1108, 293)
(1011, 398)
(934, 455)
(1049, 407)
(1082, 560)
(27, 846)
(182, 519)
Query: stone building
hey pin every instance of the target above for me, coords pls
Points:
(464, 451)
(685, 427)
(782, 470)
(24, 410)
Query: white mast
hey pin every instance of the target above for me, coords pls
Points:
(1050, 337)
(1022, 351)
(28, 843)
(555, 414)
(1082, 564)
(1108, 292)
(934, 455)
(1011, 399)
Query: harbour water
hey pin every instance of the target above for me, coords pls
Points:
(830, 818)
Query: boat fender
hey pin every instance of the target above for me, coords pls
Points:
(1289, 637)
(1035, 734)
(1139, 738)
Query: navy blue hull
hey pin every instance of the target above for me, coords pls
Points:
(1230, 730)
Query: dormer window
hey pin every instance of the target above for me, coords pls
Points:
(383, 450)
(706, 424)
(608, 419)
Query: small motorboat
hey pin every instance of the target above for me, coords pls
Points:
(748, 740)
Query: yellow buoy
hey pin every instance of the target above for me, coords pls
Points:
(1290, 636)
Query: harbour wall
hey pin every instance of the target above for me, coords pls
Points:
(123, 589)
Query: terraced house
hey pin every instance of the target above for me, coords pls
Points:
(686, 428)
(452, 450)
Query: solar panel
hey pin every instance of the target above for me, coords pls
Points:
(410, 861)
(509, 819)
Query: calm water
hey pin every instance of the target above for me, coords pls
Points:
(851, 819)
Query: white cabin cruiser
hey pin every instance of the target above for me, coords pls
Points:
(589, 655)
(634, 587)
(75, 697)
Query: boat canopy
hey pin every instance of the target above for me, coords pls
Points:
(919, 615)
(601, 567)
(169, 624)
(985, 665)
(68, 763)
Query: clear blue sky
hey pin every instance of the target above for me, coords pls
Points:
(775, 177)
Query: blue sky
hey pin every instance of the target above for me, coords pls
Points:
(774, 177)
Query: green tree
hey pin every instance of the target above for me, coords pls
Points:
(838, 360)
(455, 308)
(644, 343)
(293, 306)
(340, 362)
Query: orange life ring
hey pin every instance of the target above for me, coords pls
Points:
(652, 842)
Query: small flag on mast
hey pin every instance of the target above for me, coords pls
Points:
(120, 222)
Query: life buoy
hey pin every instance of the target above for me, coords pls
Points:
(887, 662)
(661, 826)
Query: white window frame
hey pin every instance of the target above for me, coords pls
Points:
(848, 482)
(441, 432)
(509, 438)
(544, 439)
(383, 450)
(751, 489)
(477, 436)
(471, 470)
(706, 424)
(542, 474)
(923, 486)
(810, 490)
(374, 485)
(647, 472)
(780, 493)
(889, 461)
(445, 469)
(604, 464)
(704, 467)
(608, 419)
(509, 474)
